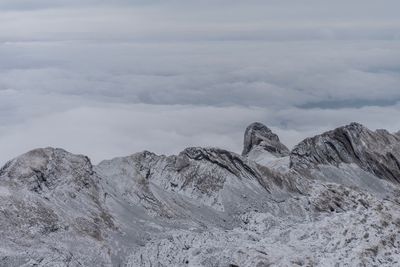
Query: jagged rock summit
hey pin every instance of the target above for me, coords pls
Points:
(377, 152)
(332, 201)
(257, 135)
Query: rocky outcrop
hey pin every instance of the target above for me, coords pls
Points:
(377, 152)
(257, 135)
(48, 168)
(48, 198)
(227, 160)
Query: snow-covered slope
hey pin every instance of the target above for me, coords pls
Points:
(332, 201)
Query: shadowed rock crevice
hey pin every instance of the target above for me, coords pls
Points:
(224, 159)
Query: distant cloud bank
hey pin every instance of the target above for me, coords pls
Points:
(109, 78)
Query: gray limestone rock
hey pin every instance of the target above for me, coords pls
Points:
(259, 135)
(377, 152)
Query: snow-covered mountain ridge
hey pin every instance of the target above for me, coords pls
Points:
(332, 201)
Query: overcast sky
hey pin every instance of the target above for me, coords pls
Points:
(111, 78)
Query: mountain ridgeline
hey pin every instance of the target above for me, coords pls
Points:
(333, 200)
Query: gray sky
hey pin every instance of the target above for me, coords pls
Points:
(110, 78)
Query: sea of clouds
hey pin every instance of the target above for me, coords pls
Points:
(106, 78)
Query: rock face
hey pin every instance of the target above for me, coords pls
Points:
(51, 211)
(336, 203)
(377, 152)
(259, 135)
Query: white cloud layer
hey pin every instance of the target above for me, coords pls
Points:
(111, 78)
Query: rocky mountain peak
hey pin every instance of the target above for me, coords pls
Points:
(376, 152)
(47, 168)
(260, 136)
